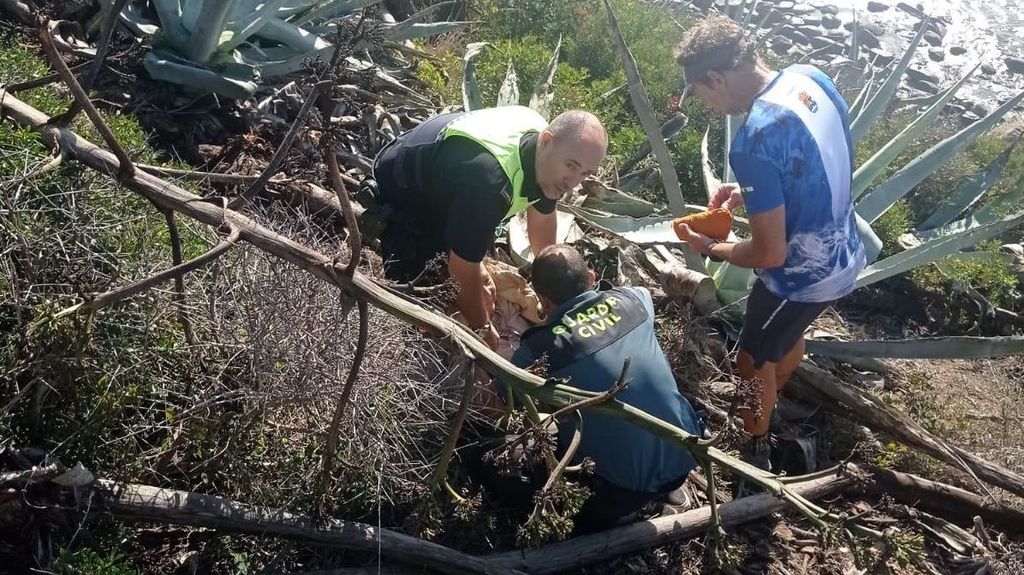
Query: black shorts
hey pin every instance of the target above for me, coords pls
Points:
(772, 325)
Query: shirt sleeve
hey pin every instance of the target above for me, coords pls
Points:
(760, 182)
(545, 205)
(479, 197)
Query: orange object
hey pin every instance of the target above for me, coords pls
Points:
(714, 223)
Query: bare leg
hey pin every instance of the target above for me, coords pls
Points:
(758, 426)
(787, 365)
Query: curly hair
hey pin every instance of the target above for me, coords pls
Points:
(717, 43)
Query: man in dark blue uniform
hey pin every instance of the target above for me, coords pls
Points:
(587, 337)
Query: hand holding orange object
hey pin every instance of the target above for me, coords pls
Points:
(716, 223)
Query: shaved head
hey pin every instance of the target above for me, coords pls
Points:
(577, 125)
(570, 149)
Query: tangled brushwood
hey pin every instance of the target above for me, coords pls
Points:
(216, 348)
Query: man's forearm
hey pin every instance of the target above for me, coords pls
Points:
(541, 229)
(744, 254)
(471, 299)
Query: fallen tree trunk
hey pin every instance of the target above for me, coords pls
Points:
(815, 383)
(946, 500)
(146, 503)
(589, 549)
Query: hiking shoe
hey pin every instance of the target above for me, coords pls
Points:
(679, 499)
(759, 454)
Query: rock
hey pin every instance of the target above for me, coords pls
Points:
(774, 17)
(970, 117)
(881, 56)
(916, 12)
(915, 74)
(868, 39)
(785, 5)
(793, 34)
(988, 69)
(1015, 65)
(1015, 251)
(957, 50)
(781, 44)
(932, 37)
(936, 54)
(797, 22)
(877, 6)
(836, 35)
(818, 42)
(829, 9)
(924, 86)
(803, 8)
(831, 22)
(812, 18)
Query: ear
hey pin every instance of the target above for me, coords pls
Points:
(546, 305)
(591, 278)
(545, 137)
(715, 79)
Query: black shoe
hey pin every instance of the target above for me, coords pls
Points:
(759, 454)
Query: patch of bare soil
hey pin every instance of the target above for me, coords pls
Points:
(975, 404)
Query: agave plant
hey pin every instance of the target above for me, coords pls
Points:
(508, 93)
(956, 224)
(233, 47)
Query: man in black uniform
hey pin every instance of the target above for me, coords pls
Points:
(449, 183)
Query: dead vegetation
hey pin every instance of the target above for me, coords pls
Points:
(241, 408)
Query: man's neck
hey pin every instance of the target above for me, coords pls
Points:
(761, 77)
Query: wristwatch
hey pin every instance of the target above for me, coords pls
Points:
(707, 250)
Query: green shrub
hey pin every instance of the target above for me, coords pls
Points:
(993, 276)
(90, 562)
(897, 221)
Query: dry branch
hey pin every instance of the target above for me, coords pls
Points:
(458, 419)
(282, 150)
(868, 410)
(146, 503)
(125, 166)
(106, 33)
(179, 277)
(941, 498)
(331, 445)
(113, 296)
(589, 549)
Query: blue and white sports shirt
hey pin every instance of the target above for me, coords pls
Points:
(794, 150)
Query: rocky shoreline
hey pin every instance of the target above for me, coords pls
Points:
(960, 34)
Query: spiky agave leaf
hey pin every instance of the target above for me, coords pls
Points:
(324, 11)
(167, 69)
(870, 169)
(936, 249)
(970, 190)
(922, 348)
(544, 93)
(880, 199)
(472, 99)
(508, 94)
(642, 105)
(877, 104)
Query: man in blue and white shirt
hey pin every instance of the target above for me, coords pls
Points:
(792, 158)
